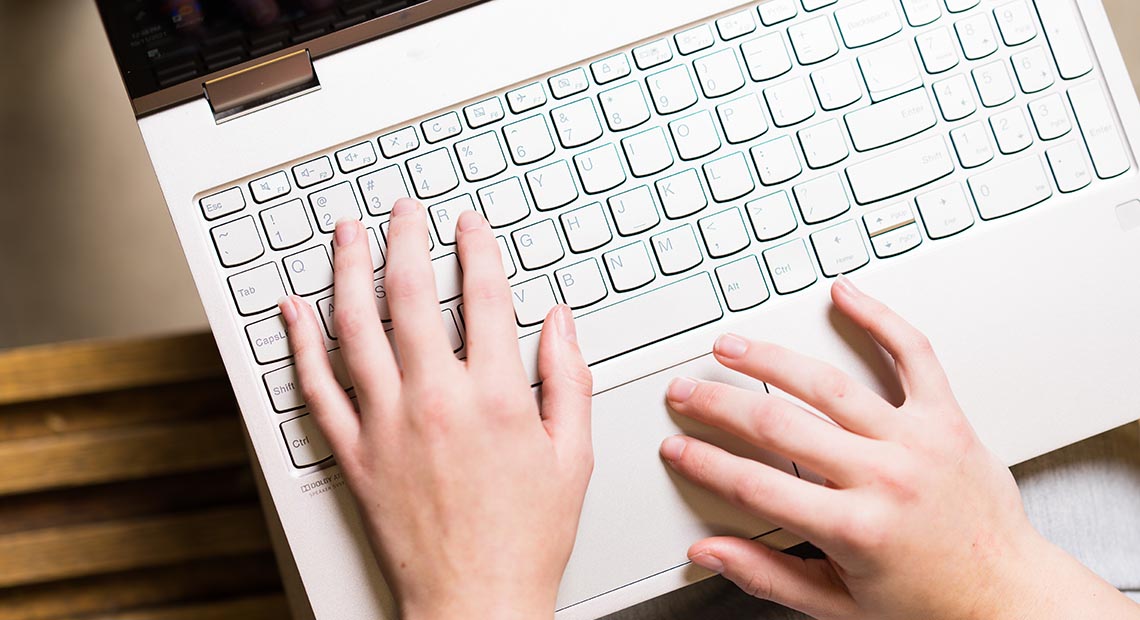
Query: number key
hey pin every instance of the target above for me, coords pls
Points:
(286, 225)
(333, 204)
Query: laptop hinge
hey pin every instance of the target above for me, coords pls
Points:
(262, 85)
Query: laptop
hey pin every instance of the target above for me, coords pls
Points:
(672, 170)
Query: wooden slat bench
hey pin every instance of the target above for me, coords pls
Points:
(125, 487)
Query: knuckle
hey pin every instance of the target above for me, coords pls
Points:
(707, 396)
(488, 290)
(758, 584)
(748, 490)
(579, 378)
(833, 385)
(866, 529)
(350, 322)
(770, 421)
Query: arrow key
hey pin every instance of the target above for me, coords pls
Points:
(897, 241)
(840, 248)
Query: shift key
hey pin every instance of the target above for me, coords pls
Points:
(900, 170)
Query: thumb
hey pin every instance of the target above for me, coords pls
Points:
(810, 586)
(567, 386)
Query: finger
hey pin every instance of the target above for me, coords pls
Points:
(851, 404)
(330, 406)
(919, 369)
(775, 424)
(809, 586)
(367, 354)
(806, 509)
(412, 299)
(567, 387)
(492, 337)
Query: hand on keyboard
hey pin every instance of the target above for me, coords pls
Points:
(465, 483)
(918, 519)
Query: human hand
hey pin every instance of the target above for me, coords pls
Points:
(917, 519)
(469, 490)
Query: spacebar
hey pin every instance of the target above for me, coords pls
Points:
(637, 322)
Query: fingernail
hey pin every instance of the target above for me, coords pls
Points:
(288, 310)
(566, 324)
(345, 232)
(730, 346)
(404, 206)
(708, 561)
(673, 447)
(844, 284)
(470, 220)
(680, 389)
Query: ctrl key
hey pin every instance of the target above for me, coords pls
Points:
(307, 446)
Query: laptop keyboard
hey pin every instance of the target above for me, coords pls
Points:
(668, 185)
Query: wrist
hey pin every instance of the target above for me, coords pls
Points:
(480, 605)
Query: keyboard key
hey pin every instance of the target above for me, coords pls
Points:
(309, 271)
(609, 69)
(955, 98)
(900, 171)
(285, 391)
(994, 84)
(694, 39)
(724, 233)
(823, 144)
(629, 267)
(1070, 170)
(837, 86)
(790, 267)
(719, 73)
(307, 447)
(890, 70)
(972, 143)
(766, 57)
(814, 5)
(742, 283)
(222, 203)
(897, 241)
(681, 194)
(653, 54)
(481, 157)
(356, 157)
(451, 328)
(448, 277)
(1012, 131)
(624, 106)
(375, 250)
(526, 98)
(445, 215)
(672, 90)
(647, 152)
(840, 249)
(890, 121)
(399, 142)
(633, 211)
(790, 102)
(504, 203)
(921, 12)
(552, 186)
(736, 25)
(237, 242)
(273, 186)
(774, 12)
(586, 228)
(695, 135)
(1015, 22)
(433, 174)
(772, 216)
(332, 204)
(729, 178)
(742, 119)
(1066, 40)
(886, 219)
(529, 140)
(509, 268)
(1094, 117)
(286, 225)
(776, 161)
(484, 112)
(538, 245)
(945, 211)
(381, 189)
(822, 199)
(442, 127)
(1011, 187)
(268, 340)
(867, 22)
(1033, 69)
(1051, 117)
(813, 40)
(958, 6)
(569, 83)
(938, 51)
(258, 289)
(582, 284)
(677, 250)
(600, 169)
(976, 36)
(576, 123)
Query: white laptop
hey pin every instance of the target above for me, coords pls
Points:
(672, 170)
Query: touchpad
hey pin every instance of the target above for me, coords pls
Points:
(639, 517)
